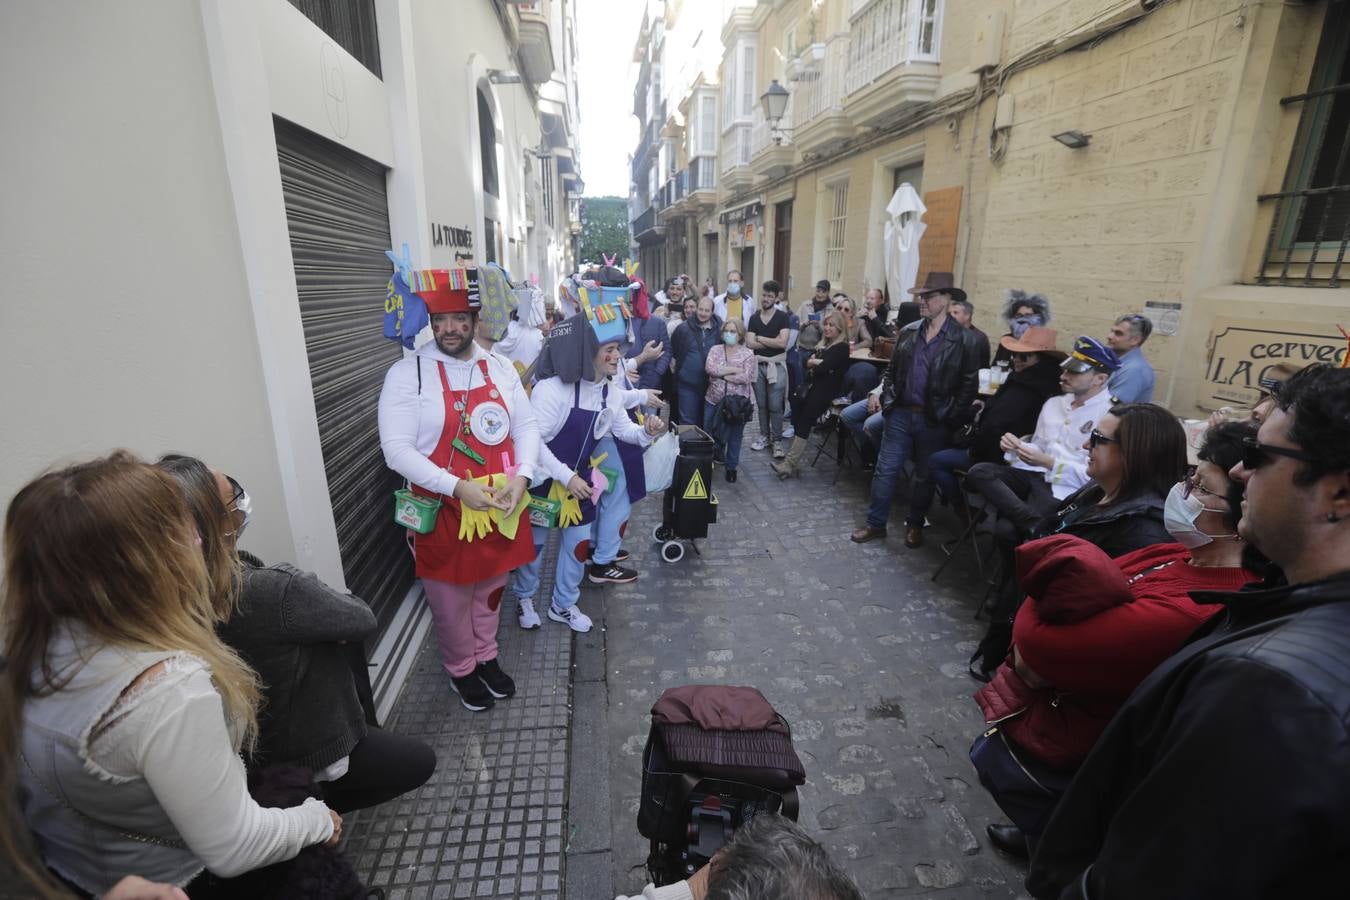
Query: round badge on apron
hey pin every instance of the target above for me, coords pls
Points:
(602, 422)
(490, 423)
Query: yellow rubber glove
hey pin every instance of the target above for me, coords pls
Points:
(570, 514)
(508, 522)
(475, 523)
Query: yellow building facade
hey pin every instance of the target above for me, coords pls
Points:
(1209, 188)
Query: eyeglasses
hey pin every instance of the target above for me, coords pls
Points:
(1256, 454)
(236, 492)
(1192, 485)
(1096, 437)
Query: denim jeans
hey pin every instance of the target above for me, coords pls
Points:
(769, 400)
(940, 476)
(860, 378)
(728, 436)
(570, 569)
(866, 430)
(690, 399)
(907, 436)
(612, 509)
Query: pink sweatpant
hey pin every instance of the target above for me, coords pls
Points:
(465, 618)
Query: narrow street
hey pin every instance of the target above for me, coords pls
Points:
(855, 645)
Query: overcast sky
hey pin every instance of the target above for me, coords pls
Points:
(605, 87)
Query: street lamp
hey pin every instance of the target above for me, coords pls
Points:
(1074, 140)
(774, 103)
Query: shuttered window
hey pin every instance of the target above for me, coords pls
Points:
(349, 22)
(337, 212)
(834, 233)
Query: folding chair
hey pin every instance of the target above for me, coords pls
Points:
(968, 534)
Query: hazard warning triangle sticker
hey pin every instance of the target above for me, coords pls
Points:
(696, 490)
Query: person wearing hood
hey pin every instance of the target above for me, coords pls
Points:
(455, 421)
(576, 407)
(1014, 409)
(1022, 311)
(1093, 627)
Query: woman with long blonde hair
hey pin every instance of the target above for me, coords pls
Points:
(134, 711)
(825, 369)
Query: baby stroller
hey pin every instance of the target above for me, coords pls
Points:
(716, 757)
(688, 506)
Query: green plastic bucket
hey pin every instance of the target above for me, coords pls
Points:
(415, 512)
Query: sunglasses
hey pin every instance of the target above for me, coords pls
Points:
(1096, 437)
(1256, 454)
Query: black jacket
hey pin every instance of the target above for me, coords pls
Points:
(954, 378)
(1014, 408)
(1117, 529)
(303, 638)
(1227, 772)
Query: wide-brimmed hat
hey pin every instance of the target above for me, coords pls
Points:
(940, 283)
(1033, 340)
(1090, 355)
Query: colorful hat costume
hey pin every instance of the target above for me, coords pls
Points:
(447, 290)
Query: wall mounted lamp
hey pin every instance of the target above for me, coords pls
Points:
(1074, 140)
(774, 103)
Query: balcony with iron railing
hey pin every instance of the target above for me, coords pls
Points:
(702, 175)
(892, 59)
(645, 227)
(820, 96)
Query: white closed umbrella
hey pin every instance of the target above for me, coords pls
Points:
(904, 228)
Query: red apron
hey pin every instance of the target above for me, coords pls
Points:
(440, 554)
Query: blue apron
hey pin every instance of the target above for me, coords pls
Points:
(575, 443)
(634, 471)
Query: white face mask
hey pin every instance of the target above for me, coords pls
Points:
(1179, 515)
(245, 505)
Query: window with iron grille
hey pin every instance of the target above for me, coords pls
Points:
(349, 22)
(546, 188)
(834, 233)
(1310, 231)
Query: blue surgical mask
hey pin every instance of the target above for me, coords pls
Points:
(733, 288)
(729, 338)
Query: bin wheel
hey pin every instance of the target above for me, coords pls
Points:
(672, 551)
(662, 533)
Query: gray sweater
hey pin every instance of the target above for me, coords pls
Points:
(293, 630)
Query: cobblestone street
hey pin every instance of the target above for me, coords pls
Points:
(862, 653)
(855, 645)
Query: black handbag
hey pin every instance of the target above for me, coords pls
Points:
(735, 409)
(1024, 789)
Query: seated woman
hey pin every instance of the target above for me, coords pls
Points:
(825, 369)
(1135, 454)
(860, 377)
(134, 710)
(303, 638)
(1093, 627)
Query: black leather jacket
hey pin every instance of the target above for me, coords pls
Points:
(1227, 772)
(952, 382)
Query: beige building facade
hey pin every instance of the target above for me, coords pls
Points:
(1206, 191)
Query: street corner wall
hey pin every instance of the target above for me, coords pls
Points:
(1104, 229)
(126, 320)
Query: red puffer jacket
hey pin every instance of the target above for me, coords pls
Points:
(1092, 628)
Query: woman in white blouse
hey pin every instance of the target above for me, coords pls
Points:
(134, 712)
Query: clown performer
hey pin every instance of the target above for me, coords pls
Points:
(456, 423)
(576, 408)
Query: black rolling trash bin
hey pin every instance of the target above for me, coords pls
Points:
(689, 506)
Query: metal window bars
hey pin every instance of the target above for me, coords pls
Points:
(1310, 229)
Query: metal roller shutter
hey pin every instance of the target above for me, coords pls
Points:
(338, 214)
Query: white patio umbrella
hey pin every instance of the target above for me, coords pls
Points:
(904, 228)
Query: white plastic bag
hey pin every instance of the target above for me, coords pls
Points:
(658, 462)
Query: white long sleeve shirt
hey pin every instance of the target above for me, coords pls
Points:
(1061, 430)
(411, 423)
(552, 399)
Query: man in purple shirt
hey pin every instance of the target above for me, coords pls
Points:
(929, 383)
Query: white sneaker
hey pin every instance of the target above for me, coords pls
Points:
(779, 452)
(789, 432)
(572, 617)
(525, 614)
(759, 444)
